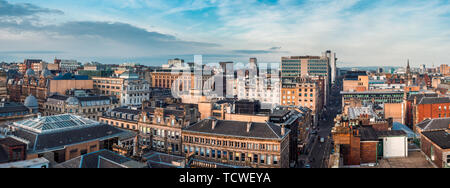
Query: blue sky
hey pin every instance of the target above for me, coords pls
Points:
(361, 32)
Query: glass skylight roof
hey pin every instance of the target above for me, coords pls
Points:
(58, 122)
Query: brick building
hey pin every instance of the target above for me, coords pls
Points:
(431, 107)
(260, 145)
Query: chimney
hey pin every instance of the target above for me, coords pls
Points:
(214, 123)
(249, 125)
(283, 130)
(415, 100)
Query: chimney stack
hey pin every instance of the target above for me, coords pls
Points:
(283, 130)
(249, 125)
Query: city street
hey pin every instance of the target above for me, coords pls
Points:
(317, 152)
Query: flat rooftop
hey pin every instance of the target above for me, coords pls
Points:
(415, 159)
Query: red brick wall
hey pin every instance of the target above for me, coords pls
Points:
(368, 152)
(432, 111)
(355, 156)
(426, 145)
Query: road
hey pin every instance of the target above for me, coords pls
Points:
(318, 153)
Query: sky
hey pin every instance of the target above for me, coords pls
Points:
(361, 32)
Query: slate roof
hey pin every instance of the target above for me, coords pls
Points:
(126, 110)
(99, 159)
(392, 133)
(434, 100)
(434, 124)
(421, 95)
(368, 134)
(238, 129)
(441, 138)
(13, 107)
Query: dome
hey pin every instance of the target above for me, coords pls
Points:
(30, 72)
(31, 102)
(72, 101)
(46, 73)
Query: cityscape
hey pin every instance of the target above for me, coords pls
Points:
(116, 94)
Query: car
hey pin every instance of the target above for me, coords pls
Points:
(307, 166)
(314, 132)
(322, 140)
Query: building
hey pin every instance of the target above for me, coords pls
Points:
(430, 107)
(134, 92)
(28, 64)
(356, 81)
(32, 163)
(101, 159)
(3, 86)
(63, 137)
(259, 145)
(305, 92)
(374, 97)
(359, 144)
(408, 103)
(11, 111)
(12, 149)
(69, 65)
(88, 106)
(303, 66)
(122, 117)
(253, 84)
(332, 58)
(436, 146)
(109, 86)
(160, 128)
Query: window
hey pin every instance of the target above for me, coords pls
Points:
(236, 157)
(230, 156)
(275, 160)
(213, 152)
(263, 159)
(243, 157)
(219, 154)
(255, 158)
(448, 159)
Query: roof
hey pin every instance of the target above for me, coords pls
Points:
(54, 123)
(355, 112)
(440, 138)
(434, 124)
(127, 110)
(237, 128)
(101, 159)
(392, 133)
(26, 163)
(434, 100)
(368, 134)
(70, 76)
(8, 141)
(13, 107)
(421, 95)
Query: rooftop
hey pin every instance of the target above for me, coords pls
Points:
(101, 159)
(54, 123)
(440, 138)
(238, 128)
(434, 100)
(434, 124)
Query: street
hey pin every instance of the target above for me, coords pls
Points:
(317, 152)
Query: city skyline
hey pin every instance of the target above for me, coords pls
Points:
(367, 33)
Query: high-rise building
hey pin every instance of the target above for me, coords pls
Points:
(332, 58)
(295, 67)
